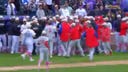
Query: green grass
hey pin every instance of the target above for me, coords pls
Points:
(107, 68)
(16, 60)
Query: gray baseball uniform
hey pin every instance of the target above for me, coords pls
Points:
(41, 44)
(50, 30)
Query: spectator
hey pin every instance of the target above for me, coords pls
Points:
(32, 8)
(124, 5)
(50, 6)
(64, 11)
(90, 10)
(81, 11)
(62, 2)
(47, 11)
(40, 12)
(11, 8)
(80, 3)
(25, 1)
(24, 7)
(17, 5)
(100, 11)
(56, 10)
(99, 3)
(90, 4)
(39, 1)
(3, 4)
(48, 2)
(57, 2)
(68, 7)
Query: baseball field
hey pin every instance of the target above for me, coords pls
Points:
(107, 68)
(118, 62)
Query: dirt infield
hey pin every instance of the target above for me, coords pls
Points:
(15, 68)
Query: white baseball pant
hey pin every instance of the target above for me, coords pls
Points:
(73, 43)
(91, 53)
(9, 41)
(0, 45)
(3, 39)
(51, 43)
(107, 47)
(123, 43)
(100, 49)
(15, 44)
(64, 47)
(44, 54)
(117, 41)
(29, 45)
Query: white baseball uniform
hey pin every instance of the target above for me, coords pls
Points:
(28, 39)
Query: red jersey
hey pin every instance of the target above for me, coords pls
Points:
(123, 28)
(65, 34)
(99, 22)
(106, 34)
(91, 40)
(76, 32)
(85, 27)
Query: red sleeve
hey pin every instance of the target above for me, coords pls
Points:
(108, 32)
(46, 44)
(127, 26)
(84, 27)
(81, 29)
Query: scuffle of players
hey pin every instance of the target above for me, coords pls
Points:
(62, 35)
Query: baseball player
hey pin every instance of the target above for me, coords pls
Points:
(15, 36)
(40, 27)
(127, 36)
(50, 30)
(99, 21)
(116, 25)
(56, 40)
(91, 40)
(123, 30)
(108, 23)
(2, 34)
(23, 26)
(42, 44)
(75, 36)
(105, 38)
(64, 32)
(36, 28)
(61, 49)
(10, 31)
(28, 41)
(0, 45)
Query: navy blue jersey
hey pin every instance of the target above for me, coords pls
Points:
(36, 29)
(116, 25)
(2, 27)
(16, 29)
(9, 27)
